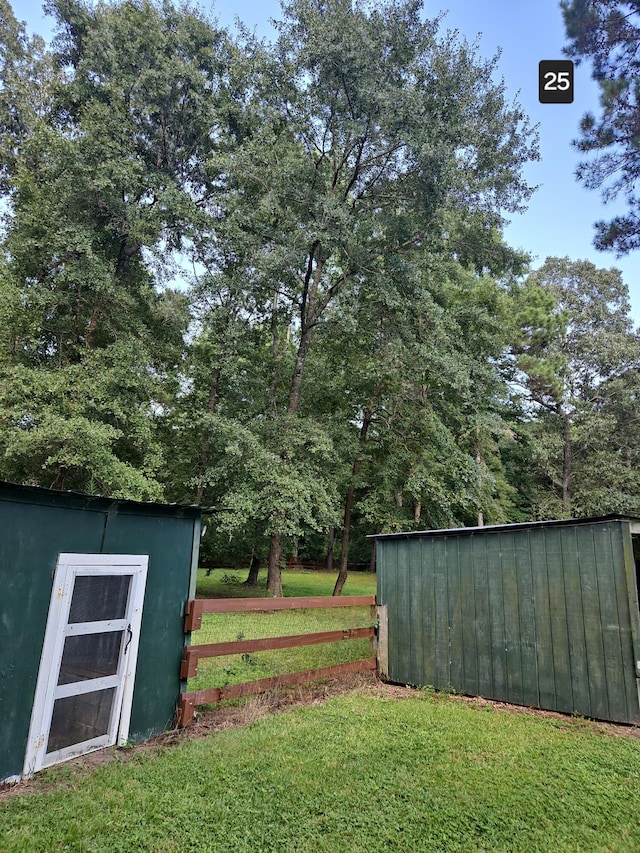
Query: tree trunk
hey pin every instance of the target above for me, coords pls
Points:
(296, 380)
(203, 454)
(479, 463)
(344, 555)
(275, 352)
(372, 561)
(254, 568)
(567, 465)
(308, 319)
(275, 546)
(274, 578)
(61, 476)
(92, 327)
(348, 504)
(330, 544)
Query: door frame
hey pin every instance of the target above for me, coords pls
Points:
(68, 568)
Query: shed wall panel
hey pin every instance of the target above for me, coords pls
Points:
(545, 616)
(34, 530)
(454, 607)
(468, 619)
(168, 542)
(610, 620)
(594, 646)
(631, 583)
(496, 619)
(627, 620)
(428, 612)
(416, 617)
(541, 637)
(482, 625)
(527, 622)
(512, 634)
(405, 558)
(575, 622)
(29, 548)
(387, 592)
(441, 677)
(627, 658)
(552, 544)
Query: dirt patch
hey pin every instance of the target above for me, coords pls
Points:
(243, 712)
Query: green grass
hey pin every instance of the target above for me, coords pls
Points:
(218, 628)
(221, 583)
(359, 774)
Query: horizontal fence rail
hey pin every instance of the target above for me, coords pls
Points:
(195, 607)
(192, 654)
(194, 610)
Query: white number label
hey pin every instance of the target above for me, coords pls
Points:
(557, 82)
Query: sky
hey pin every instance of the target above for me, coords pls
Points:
(560, 216)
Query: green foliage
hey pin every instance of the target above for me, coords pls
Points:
(345, 351)
(576, 353)
(370, 140)
(98, 174)
(607, 32)
(280, 482)
(425, 361)
(26, 72)
(84, 426)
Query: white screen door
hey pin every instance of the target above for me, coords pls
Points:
(85, 682)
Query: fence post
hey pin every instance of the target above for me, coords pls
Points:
(193, 615)
(382, 652)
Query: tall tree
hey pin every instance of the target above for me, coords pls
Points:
(374, 131)
(439, 426)
(607, 32)
(26, 70)
(106, 181)
(417, 354)
(577, 346)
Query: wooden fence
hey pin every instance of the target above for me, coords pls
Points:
(195, 609)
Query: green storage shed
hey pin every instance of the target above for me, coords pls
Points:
(542, 614)
(91, 621)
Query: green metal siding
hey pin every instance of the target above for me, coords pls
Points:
(28, 556)
(543, 616)
(35, 527)
(169, 544)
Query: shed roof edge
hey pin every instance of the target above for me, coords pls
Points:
(38, 494)
(523, 525)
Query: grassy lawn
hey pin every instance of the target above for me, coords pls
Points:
(227, 583)
(360, 773)
(218, 628)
